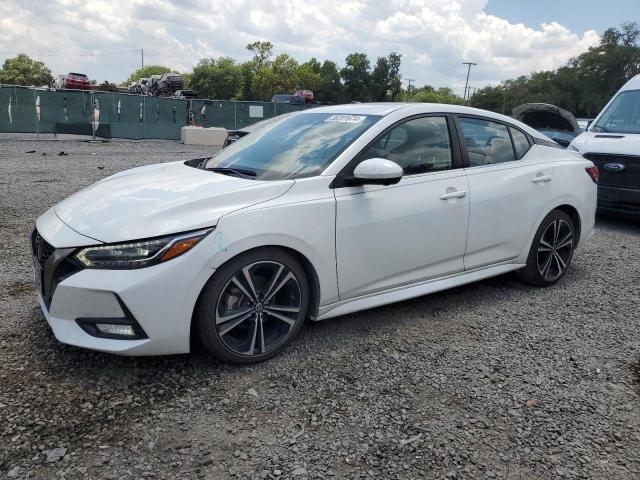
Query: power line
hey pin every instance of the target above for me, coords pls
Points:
(94, 54)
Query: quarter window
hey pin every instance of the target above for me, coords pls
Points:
(420, 145)
(487, 142)
(520, 142)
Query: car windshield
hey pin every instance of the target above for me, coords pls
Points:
(622, 116)
(294, 146)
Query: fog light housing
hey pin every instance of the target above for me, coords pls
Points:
(123, 328)
(116, 329)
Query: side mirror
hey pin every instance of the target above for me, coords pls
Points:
(377, 171)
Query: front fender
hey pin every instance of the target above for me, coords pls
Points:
(307, 228)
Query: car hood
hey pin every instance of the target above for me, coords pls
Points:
(607, 143)
(160, 199)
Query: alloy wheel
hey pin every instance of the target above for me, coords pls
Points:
(555, 249)
(258, 308)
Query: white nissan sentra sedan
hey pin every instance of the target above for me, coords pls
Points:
(321, 213)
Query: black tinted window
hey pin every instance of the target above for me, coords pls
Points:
(487, 142)
(418, 146)
(520, 142)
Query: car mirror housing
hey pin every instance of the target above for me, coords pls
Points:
(377, 171)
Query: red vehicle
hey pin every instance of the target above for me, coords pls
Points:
(306, 94)
(74, 81)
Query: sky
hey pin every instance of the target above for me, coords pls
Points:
(507, 38)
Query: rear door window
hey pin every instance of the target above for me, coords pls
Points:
(520, 142)
(487, 142)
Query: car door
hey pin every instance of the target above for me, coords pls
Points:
(508, 190)
(389, 236)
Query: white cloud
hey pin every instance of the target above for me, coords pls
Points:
(434, 36)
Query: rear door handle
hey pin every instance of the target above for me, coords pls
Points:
(541, 179)
(456, 194)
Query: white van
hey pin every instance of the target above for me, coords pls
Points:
(612, 143)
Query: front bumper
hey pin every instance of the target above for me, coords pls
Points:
(160, 299)
(625, 201)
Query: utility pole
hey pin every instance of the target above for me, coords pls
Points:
(409, 86)
(466, 85)
(142, 57)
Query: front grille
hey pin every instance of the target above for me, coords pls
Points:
(54, 265)
(40, 248)
(626, 173)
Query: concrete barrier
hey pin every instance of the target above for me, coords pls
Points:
(191, 135)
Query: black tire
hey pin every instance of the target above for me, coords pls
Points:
(229, 294)
(551, 253)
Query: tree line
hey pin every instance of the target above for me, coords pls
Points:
(582, 86)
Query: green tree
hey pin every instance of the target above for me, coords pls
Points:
(262, 52)
(428, 94)
(107, 86)
(356, 77)
(220, 79)
(386, 82)
(23, 70)
(145, 73)
(331, 89)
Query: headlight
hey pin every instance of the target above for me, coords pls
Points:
(119, 256)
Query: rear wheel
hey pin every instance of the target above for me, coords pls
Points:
(551, 251)
(253, 306)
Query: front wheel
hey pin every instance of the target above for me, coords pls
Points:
(551, 251)
(253, 306)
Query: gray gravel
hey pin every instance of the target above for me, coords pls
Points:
(492, 380)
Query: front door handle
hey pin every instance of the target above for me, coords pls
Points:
(456, 194)
(541, 179)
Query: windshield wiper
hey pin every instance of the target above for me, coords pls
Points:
(241, 172)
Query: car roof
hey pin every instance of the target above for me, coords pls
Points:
(386, 108)
(633, 84)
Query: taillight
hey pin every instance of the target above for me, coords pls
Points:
(593, 173)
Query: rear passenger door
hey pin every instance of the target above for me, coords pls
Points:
(508, 190)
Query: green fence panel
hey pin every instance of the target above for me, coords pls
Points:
(128, 116)
(164, 117)
(29, 110)
(213, 113)
(252, 112)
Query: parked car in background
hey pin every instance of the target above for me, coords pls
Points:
(152, 84)
(73, 81)
(188, 94)
(612, 142)
(307, 95)
(235, 135)
(583, 123)
(285, 98)
(317, 214)
(556, 123)
(169, 83)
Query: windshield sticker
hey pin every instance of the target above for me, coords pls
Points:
(346, 118)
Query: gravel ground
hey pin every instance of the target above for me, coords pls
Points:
(491, 380)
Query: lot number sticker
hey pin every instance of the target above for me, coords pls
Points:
(346, 118)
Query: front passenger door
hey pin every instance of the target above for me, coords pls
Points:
(391, 236)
